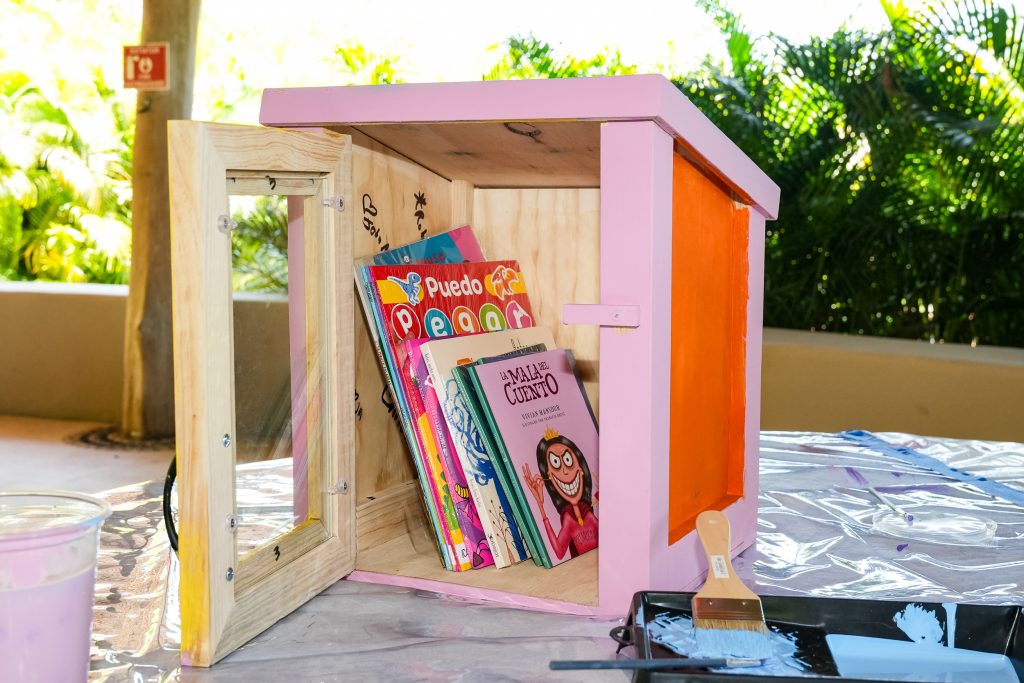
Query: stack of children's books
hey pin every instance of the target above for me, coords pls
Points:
(500, 429)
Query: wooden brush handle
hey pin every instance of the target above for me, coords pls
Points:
(713, 529)
(723, 596)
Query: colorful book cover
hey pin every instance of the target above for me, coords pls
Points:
(427, 300)
(457, 434)
(449, 477)
(454, 246)
(495, 447)
(437, 493)
(414, 301)
(512, 507)
(544, 428)
(457, 245)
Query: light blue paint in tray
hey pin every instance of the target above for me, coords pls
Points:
(927, 651)
(894, 660)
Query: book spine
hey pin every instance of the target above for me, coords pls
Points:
(431, 497)
(482, 471)
(475, 525)
(441, 479)
(508, 477)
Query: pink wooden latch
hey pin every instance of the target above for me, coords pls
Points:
(604, 315)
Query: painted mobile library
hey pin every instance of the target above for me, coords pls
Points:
(638, 228)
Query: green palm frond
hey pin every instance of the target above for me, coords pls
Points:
(64, 208)
(898, 154)
(530, 57)
(259, 246)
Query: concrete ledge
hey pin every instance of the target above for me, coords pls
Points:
(831, 382)
(61, 352)
(62, 347)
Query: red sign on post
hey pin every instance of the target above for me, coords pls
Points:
(145, 66)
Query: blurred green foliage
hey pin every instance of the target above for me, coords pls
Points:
(64, 204)
(259, 244)
(899, 159)
(528, 57)
(898, 152)
(363, 67)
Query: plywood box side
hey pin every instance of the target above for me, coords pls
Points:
(393, 513)
(396, 201)
(395, 541)
(413, 557)
(554, 234)
(499, 154)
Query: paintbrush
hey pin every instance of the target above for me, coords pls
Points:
(727, 616)
(655, 664)
(862, 480)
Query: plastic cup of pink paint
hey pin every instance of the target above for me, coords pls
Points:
(48, 544)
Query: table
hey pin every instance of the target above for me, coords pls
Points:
(820, 532)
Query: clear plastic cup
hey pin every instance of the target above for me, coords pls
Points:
(48, 543)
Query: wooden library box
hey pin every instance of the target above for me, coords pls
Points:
(639, 230)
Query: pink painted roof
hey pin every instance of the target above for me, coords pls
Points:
(610, 98)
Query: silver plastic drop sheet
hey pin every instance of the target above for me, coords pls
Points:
(833, 521)
(823, 531)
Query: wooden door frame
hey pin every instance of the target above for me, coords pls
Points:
(225, 602)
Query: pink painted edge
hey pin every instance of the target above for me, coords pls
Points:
(650, 97)
(488, 595)
(755, 331)
(681, 117)
(297, 353)
(656, 243)
(599, 98)
(628, 512)
(601, 314)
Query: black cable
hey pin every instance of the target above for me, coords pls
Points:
(172, 529)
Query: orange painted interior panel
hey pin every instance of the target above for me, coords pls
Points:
(708, 362)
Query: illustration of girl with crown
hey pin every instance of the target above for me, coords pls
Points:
(566, 476)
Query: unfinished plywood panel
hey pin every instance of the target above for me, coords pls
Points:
(415, 555)
(396, 202)
(501, 154)
(389, 514)
(554, 234)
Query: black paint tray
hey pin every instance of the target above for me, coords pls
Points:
(806, 621)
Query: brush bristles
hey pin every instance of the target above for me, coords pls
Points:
(731, 627)
(756, 625)
(733, 642)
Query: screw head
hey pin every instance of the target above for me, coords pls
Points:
(225, 224)
(226, 440)
(230, 574)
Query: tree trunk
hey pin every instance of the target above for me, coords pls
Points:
(148, 402)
